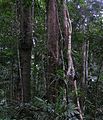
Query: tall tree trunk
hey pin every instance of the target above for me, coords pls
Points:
(67, 36)
(12, 80)
(85, 62)
(67, 31)
(17, 83)
(53, 48)
(85, 72)
(70, 70)
(25, 48)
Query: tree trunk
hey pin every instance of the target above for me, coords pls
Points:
(25, 48)
(67, 32)
(67, 37)
(85, 72)
(53, 48)
(85, 62)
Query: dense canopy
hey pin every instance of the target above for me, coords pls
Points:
(51, 59)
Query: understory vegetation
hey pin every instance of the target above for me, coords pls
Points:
(51, 60)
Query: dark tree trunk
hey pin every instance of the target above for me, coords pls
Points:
(53, 48)
(25, 48)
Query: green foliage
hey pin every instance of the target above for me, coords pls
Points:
(39, 108)
(27, 3)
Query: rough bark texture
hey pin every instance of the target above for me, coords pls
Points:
(53, 48)
(25, 47)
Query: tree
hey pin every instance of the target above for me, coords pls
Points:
(70, 70)
(25, 48)
(58, 65)
(53, 48)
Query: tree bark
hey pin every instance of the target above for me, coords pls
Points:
(67, 32)
(53, 48)
(85, 62)
(25, 48)
(85, 72)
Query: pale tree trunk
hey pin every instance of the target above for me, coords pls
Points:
(17, 83)
(12, 79)
(67, 36)
(53, 48)
(85, 72)
(85, 62)
(70, 69)
(25, 48)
